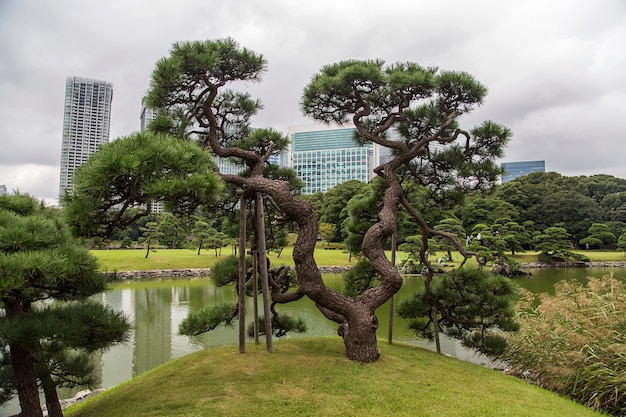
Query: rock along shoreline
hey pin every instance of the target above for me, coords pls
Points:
(157, 274)
(607, 264)
(203, 272)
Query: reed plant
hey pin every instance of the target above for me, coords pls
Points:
(574, 342)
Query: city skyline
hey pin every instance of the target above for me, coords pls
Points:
(554, 69)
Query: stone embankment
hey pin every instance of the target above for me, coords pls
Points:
(162, 274)
(607, 264)
(203, 272)
(196, 272)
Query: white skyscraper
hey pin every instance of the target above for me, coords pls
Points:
(86, 124)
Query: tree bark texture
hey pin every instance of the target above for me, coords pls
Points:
(52, 398)
(25, 381)
(359, 336)
(23, 369)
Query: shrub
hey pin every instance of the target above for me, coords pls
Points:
(575, 342)
(474, 306)
(562, 256)
(126, 243)
(593, 242)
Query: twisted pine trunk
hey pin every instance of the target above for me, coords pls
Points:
(359, 337)
(356, 316)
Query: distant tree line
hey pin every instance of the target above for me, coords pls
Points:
(588, 212)
(590, 209)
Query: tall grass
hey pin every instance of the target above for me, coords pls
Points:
(575, 342)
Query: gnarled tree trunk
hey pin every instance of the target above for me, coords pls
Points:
(359, 337)
(356, 316)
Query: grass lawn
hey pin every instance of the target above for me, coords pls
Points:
(312, 377)
(134, 259)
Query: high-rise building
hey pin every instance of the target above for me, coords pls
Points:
(231, 167)
(147, 115)
(514, 170)
(86, 124)
(3, 189)
(326, 155)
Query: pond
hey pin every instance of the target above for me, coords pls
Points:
(157, 308)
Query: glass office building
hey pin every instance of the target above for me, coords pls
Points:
(86, 124)
(514, 170)
(324, 156)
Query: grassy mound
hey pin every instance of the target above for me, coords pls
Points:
(312, 377)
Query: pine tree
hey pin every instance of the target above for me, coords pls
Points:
(49, 328)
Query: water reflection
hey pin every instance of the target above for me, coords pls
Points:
(157, 308)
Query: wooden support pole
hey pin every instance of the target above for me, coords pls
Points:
(264, 273)
(242, 272)
(255, 290)
(391, 307)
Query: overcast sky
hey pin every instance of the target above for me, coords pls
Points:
(555, 69)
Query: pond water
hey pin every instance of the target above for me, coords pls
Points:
(157, 308)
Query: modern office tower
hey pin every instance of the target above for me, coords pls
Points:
(147, 115)
(86, 124)
(226, 166)
(326, 155)
(514, 170)
(3, 189)
(230, 167)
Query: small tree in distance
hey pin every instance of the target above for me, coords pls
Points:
(151, 236)
(327, 231)
(200, 233)
(621, 242)
(555, 245)
(420, 104)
